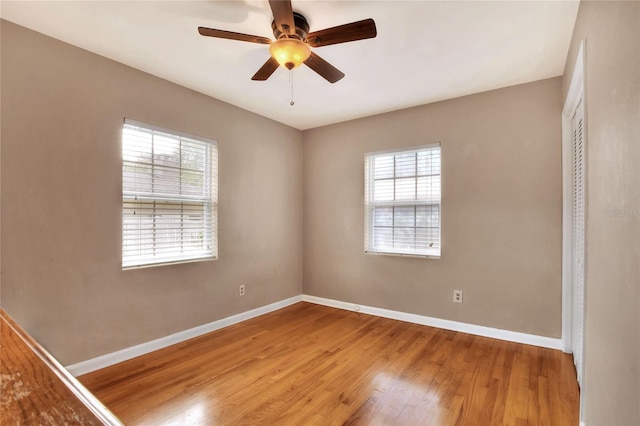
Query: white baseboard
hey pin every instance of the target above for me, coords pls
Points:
(103, 361)
(495, 333)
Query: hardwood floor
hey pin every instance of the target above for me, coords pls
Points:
(313, 365)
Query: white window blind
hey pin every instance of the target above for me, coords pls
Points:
(169, 196)
(402, 202)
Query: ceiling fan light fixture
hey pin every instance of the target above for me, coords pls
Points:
(290, 52)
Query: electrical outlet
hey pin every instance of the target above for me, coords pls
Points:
(241, 290)
(457, 296)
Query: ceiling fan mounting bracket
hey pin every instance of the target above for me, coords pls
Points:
(301, 30)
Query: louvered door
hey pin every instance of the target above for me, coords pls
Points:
(578, 231)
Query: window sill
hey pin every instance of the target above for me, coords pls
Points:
(422, 256)
(167, 262)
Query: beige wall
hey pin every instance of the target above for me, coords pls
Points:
(1, 23)
(61, 206)
(501, 211)
(612, 339)
(62, 113)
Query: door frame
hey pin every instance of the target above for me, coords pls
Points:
(574, 96)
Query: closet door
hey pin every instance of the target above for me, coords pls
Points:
(578, 238)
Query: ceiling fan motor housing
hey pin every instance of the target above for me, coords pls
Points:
(300, 32)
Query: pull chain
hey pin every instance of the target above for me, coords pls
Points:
(291, 81)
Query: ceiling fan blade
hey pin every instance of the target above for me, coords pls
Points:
(283, 15)
(210, 32)
(343, 33)
(324, 68)
(266, 70)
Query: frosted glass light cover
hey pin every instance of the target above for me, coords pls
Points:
(289, 52)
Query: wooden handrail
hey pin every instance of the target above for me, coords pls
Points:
(36, 388)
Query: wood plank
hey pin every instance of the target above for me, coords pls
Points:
(311, 364)
(37, 390)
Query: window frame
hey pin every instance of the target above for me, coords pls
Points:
(209, 204)
(369, 206)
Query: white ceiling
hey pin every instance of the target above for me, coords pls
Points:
(425, 51)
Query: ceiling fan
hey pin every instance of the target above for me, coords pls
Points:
(294, 41)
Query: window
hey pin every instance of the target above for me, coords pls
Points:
(169, 197)
(402, 202)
